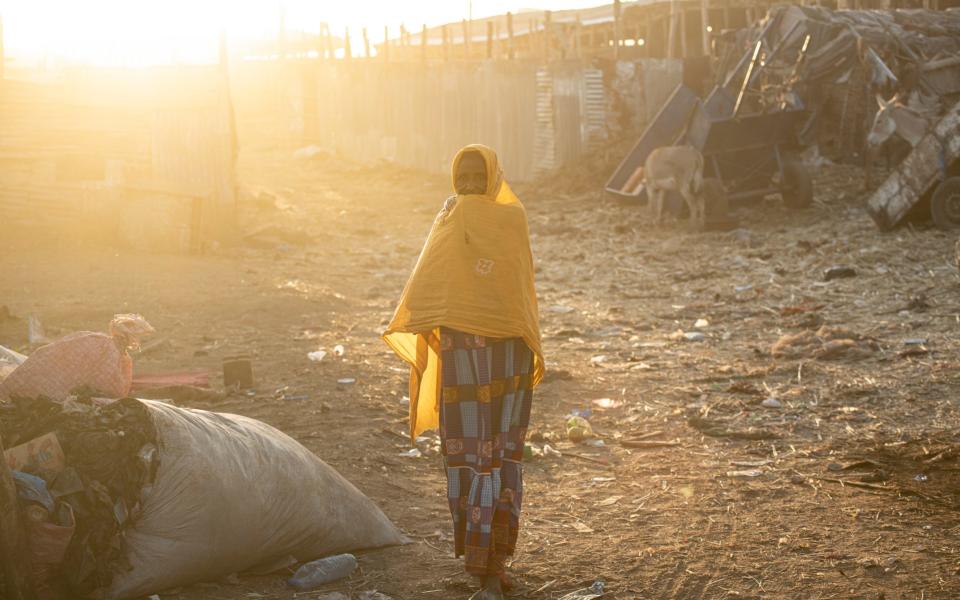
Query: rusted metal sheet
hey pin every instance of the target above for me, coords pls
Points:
(919, 172)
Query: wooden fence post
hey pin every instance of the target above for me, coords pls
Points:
(366, 43)
(347, 50)
(547, 35)
(328, 39)
(489, 40)
(511, 53)
(13, 546)
(2, 58)
(577, 35)
(617, 28)
(672, 36)
(446, 43)
(282, 35)
(423, 44)
(466, 39)
(704, 25)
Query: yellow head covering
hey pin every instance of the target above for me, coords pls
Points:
(475, 275)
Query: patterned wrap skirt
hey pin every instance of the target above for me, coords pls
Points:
(484, 415)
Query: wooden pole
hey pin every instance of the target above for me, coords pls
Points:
(366, 43)
(497, 44)
(705, 25)
(386, 44)
(466, 39)
(282, 34)
(331, 52)
(423, 44)
(489, 40)
(13, 544)
(684, 51)
(446, 43)
(672, 35)
(2, 57)
(224, 56)
(347, 50)
(511, 52)
(547, 34)
(577, 35)
(617, 29)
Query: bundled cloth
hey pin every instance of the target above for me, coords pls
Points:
(85, 359)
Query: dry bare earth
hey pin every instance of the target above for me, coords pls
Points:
(848, 489)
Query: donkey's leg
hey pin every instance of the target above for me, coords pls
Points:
(656, 203)
(693, 206)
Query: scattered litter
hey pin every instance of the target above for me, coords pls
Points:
(325, 570)
(308, 152)
(596, 443)
(238, 373)
(560, 309)
(743, 288)
(347, 381)
(921, 478)
(746, 473)
(694, 336)
(598, 359)
(605, 403)
(317, 355)
(586, 413)
(339, 350)
(582, 527)
(839, 273)
(590, 593)
(411, 453)
(701, 323)
(609, 501)
(915, 342)
(827, 343)
(551, 452)
(772, 402)
(578, 429)
(373, 595)
(35, 332)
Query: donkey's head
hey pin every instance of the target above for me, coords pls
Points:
(883, 124)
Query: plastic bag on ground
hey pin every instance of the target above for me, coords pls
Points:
(233, 494)
(9, 360)
(97, 361)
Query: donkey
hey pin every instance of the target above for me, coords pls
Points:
(675, 169)
(894, 117)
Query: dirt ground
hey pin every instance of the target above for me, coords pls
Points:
(828, 472)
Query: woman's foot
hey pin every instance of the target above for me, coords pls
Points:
(490, 590)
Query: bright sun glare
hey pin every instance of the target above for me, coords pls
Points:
(141, 32)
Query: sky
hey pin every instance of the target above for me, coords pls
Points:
(137, 32)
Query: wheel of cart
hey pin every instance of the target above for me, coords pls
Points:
(945, 204)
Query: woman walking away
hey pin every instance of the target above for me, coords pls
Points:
(468, 325)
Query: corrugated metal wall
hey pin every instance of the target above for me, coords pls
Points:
(538, 117)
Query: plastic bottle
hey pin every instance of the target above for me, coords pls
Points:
(319, 572)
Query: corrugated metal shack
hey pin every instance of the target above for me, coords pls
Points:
(141, 157)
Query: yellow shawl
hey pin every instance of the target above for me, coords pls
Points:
(475, 275)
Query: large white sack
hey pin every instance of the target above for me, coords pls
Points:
(232, 494)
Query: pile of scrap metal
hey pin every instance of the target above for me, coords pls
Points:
(835, 62)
